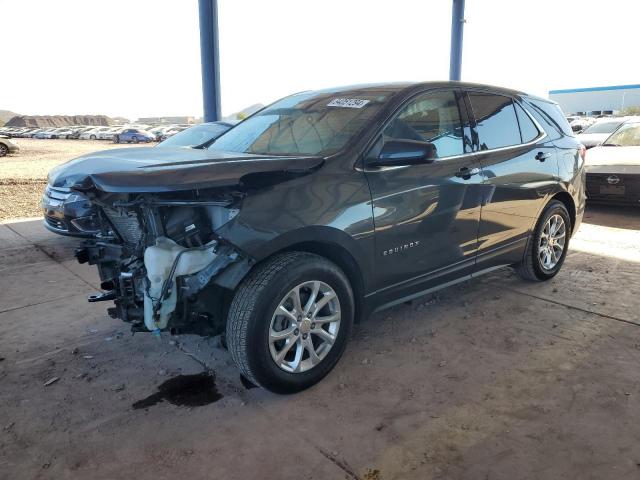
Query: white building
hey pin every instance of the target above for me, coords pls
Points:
(597, 99)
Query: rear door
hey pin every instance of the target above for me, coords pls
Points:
(520, 171)
(426, 216)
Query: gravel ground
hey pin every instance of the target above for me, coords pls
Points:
(23, 175)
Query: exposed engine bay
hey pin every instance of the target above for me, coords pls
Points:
(159, 258)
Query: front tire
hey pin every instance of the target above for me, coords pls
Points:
(547, 247)
(4, 150)
(135, 139)
(289, 321)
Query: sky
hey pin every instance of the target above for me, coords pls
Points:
(138, 58)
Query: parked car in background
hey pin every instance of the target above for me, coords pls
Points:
(44, 133)
(93, 133)
(324, 207)
(77, 131)
(65, 133)
(108, 133)
(613, 168)
(600, 130)
(133, 135)
(7, 146)
(172, 131)
(31, 133)
(579, 124)
(198, 136)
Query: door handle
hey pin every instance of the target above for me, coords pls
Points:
(541, 156)
(466, 172)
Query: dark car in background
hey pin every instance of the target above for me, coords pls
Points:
(71, 213)
(133, 135)
(324, 207)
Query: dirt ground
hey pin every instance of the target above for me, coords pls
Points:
(23, 174)
(491, 379)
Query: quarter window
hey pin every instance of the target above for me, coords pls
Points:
(528, 130)
(496, 121)
(432, 117)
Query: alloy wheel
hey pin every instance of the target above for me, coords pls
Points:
(3, 150)
(304, 326)
(552, 242)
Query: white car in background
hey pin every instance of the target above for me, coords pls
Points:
(93, 133)
(613, 168)
(109, 133)
(597, 133)
(64, 133)
(580, 123)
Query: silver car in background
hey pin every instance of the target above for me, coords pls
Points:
(597, 133)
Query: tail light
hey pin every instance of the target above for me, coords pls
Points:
(583, 151)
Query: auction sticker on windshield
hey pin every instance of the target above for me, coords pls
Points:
(347, 102)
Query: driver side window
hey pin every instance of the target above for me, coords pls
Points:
(433, 118)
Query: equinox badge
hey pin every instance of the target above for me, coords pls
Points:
(400, 248)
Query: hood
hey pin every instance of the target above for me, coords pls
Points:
(613, 156)
(137, 170)
(592, 139)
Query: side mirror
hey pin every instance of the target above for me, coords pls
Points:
(404, 152)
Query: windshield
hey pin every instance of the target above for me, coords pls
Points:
(603, 127)
(195, 136)
(310, 123)
(627, 136)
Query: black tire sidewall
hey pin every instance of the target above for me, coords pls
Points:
(265, 371)
(554, 208)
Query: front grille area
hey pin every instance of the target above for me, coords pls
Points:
(600, 188)
(126, 225)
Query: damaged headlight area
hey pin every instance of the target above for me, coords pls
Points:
(159, 259)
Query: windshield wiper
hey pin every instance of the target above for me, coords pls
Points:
(610, 145)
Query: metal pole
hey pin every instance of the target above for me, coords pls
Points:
(210, 59)
(457, 27)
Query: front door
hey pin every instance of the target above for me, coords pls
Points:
(427, 215)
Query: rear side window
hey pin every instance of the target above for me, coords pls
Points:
(553, 114)
(528, 129)
(496, 122)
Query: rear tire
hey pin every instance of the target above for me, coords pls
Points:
(543, 259)
(256, 317)
(116, 139)
(135, 139)
(4, 150)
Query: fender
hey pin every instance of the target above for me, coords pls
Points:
(359, 250)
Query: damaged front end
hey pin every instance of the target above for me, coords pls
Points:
(161, 261)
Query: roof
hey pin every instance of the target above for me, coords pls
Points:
(596, 89)
(400, 86)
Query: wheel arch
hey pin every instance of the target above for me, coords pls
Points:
(330, 243)
(569, 204)
(343, 259)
